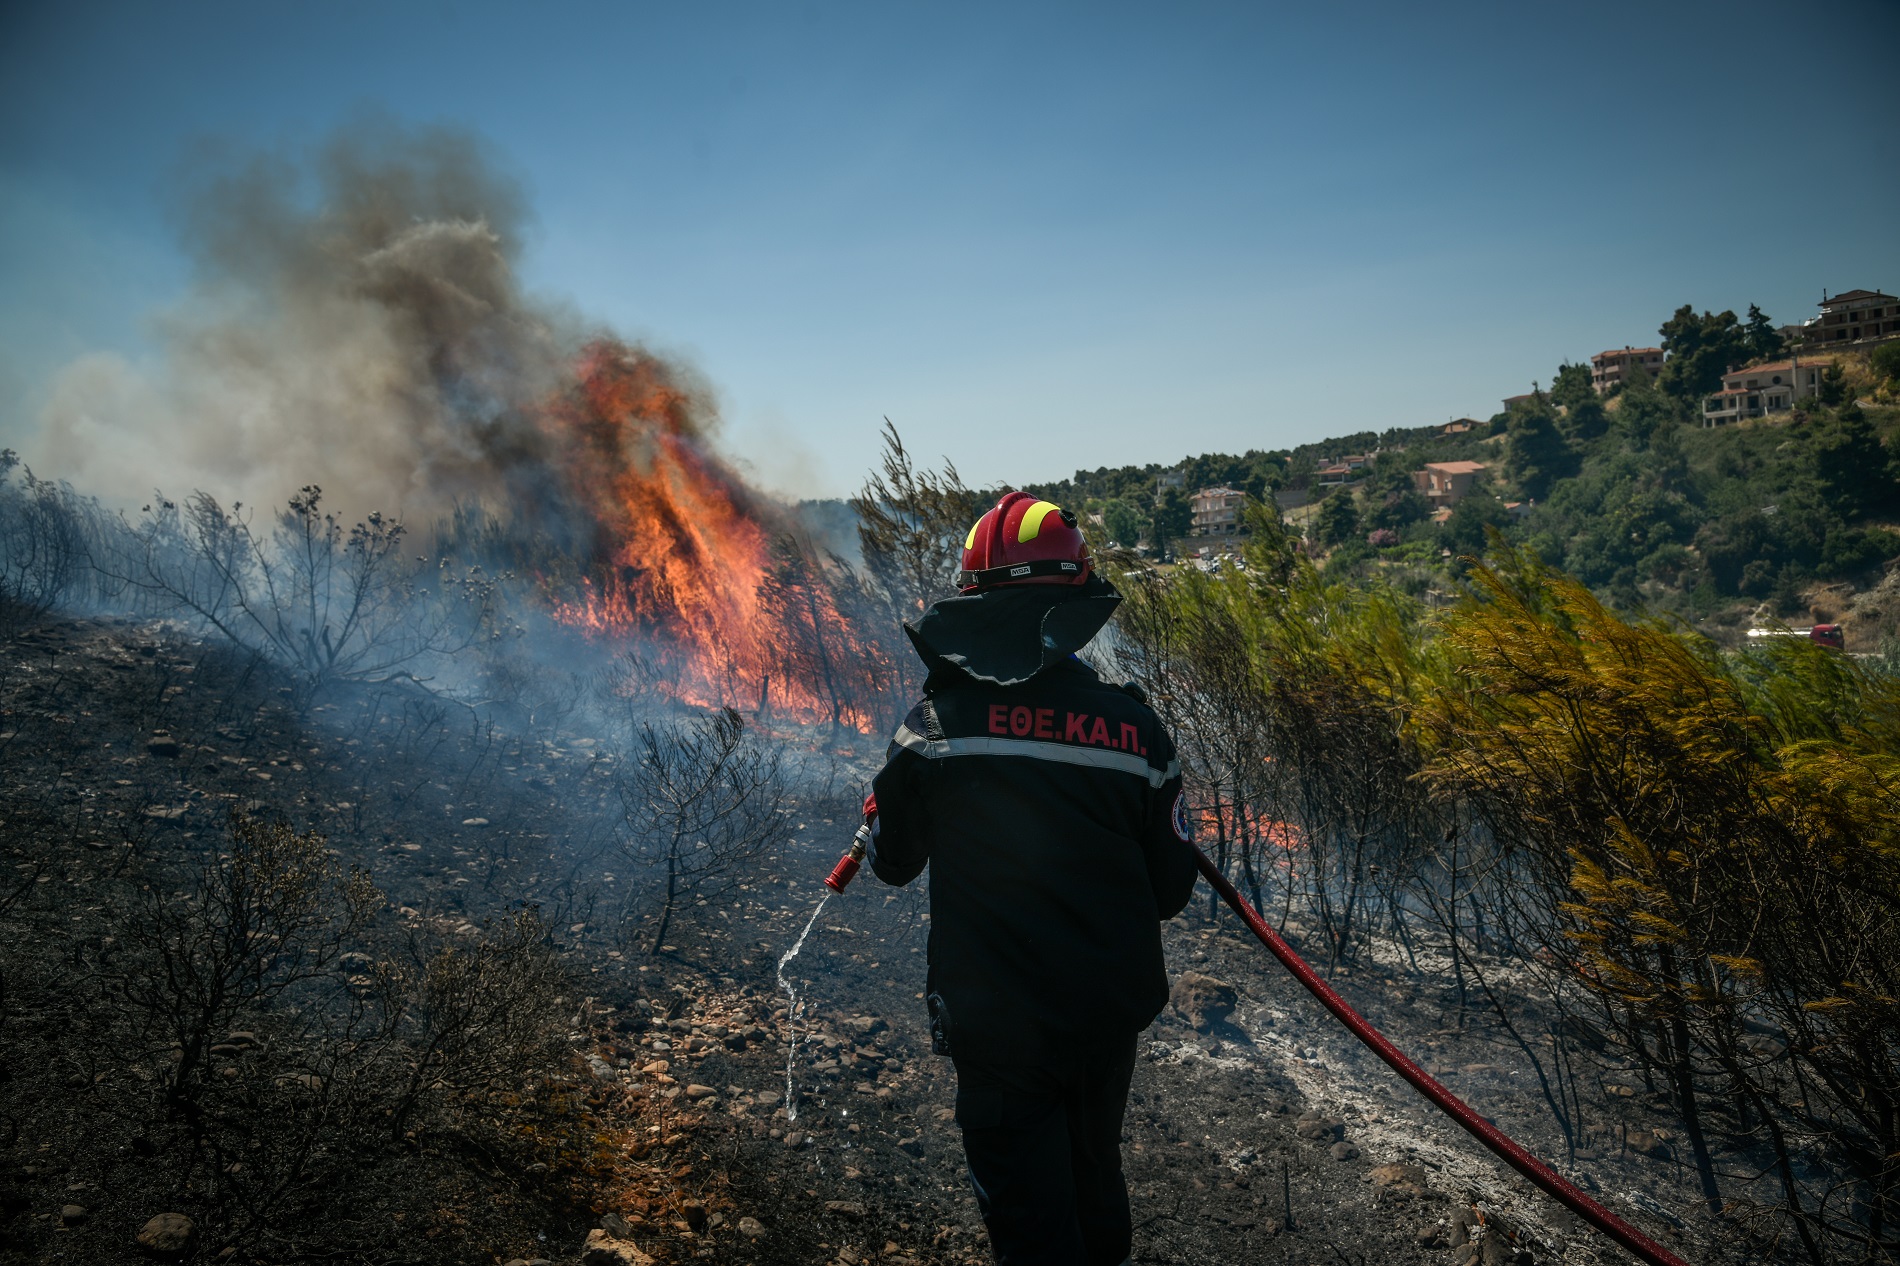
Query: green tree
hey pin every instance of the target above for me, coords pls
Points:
(1853, 466)
(1700, 350)
(1732, 545)
(1398, 509)
(1172, 518)
(1885, 361)
(1464, 533)
(1585, 420)
(1122, 521)
(1338, 519)
(1833, 385)
(1764, 340)
(1572, 386)
(1536, 453)
(1644, 411)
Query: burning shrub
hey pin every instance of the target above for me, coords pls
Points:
(810, 598)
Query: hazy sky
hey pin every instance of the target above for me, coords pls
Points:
(1036, 236)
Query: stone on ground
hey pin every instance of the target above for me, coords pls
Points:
(1201, 1000)
(1398, 1180)
(603, 1249)
(167, 1236)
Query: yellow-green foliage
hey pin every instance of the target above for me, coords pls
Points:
(1709, 842)
(1729, 828)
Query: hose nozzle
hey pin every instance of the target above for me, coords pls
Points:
(847, 867)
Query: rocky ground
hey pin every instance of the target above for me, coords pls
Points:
(1256, 1130)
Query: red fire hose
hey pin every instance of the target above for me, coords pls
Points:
(1516, 1157)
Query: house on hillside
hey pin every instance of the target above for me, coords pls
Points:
(1444, 483)
(1337, 472)
(1460, 426)
(1216, 512)
(1168, 479)
(1763, 389)
(1855, 316)
(1612, 368)
(1510, 401)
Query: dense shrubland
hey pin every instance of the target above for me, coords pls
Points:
(1690, 855)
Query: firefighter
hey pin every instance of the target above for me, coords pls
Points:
(1047, 805)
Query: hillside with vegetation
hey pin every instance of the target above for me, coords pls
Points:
(377, 899)
(1785, 517)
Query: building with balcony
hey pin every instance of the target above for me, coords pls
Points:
(1763, 389)
(1216, 512)
(1854, 317)
(1444, 483)
(1337, 472)
(1612, 368)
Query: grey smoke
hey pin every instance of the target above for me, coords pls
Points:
(355, 321)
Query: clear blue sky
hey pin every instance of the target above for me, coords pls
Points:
(1036, 236)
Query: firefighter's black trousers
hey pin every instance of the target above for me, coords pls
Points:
(1044, 1146)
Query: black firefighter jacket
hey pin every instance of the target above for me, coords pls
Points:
(1049, 813)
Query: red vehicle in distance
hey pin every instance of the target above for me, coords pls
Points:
(1828, 635)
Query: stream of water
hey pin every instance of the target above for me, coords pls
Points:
(791, 992)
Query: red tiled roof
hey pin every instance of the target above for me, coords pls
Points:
(1626, 351)
(1455, 468)
(1779, 367)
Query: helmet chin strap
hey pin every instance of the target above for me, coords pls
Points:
(1065, 567)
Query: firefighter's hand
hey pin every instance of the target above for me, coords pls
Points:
(870, 808)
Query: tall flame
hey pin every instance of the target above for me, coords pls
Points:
(680, 546)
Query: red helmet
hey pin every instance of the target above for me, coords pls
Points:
(1023, 541)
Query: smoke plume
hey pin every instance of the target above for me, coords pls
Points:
(356, 321)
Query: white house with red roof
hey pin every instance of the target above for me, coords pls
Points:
(1763, 389)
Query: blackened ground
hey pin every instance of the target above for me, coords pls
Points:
(1267, 1137)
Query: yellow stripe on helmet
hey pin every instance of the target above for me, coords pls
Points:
(1031, 525)
(969, 542)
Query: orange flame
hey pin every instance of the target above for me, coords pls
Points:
(681, 544)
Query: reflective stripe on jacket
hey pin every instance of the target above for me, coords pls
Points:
(1047, 813)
